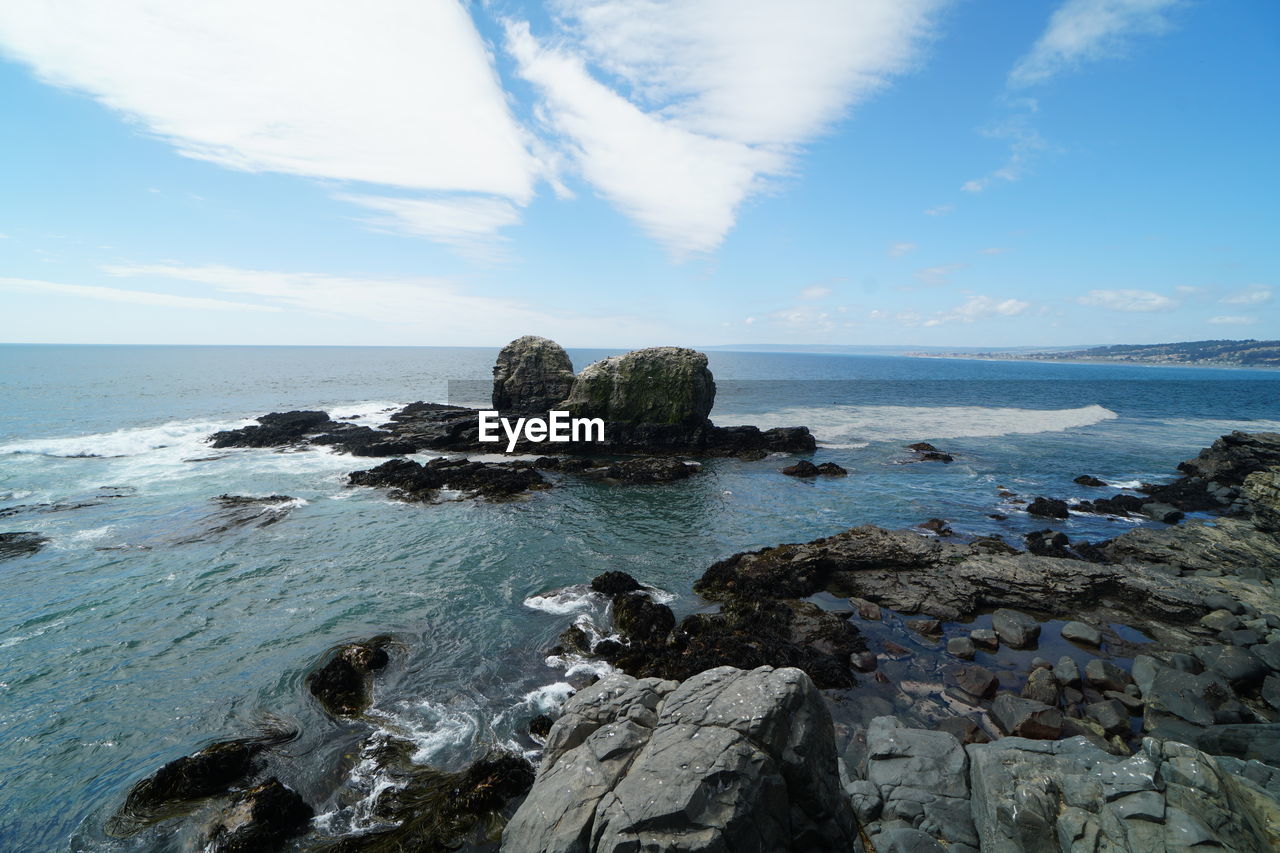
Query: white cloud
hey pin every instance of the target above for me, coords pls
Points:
(897, 250)
(1234, 320)
(817, 291)
(1128, 300)
(135, 297)
(436, 308)
(719, 95)
(1255, 294)
(980, 308)
(995, 250)
(1025, 143)
(940, 210)
(937, 276)
(397, 93)
(1080, 31)
(468, 223)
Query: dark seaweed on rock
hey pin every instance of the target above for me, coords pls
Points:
(414, 481)
(343, 685)
(210, 771)
(260, 819)
(20, 543)
(274, 430)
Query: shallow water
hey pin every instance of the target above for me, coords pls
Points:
(142, 630)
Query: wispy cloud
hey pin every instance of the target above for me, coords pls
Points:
(1081, 31)
(706, 100)
(1025, 144)
(897, 250)
(471, 224)
(398, 93)
(1233, 320)
(939, 275)
(940, 210)
(134, 297)
(995, 250)
(817, 291)
(1255, 294)
(1136, 301)
(979, 307)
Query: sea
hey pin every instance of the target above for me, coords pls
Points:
(155, 620)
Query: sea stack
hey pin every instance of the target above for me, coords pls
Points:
(532, 375)
(659, 385)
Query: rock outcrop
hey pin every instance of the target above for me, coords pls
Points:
(20, 543)
(727, 760)
(532, 376)
(343, 685)
(660, 385)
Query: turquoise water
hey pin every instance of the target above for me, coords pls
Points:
(142, 631)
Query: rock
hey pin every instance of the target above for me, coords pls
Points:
(1048, 508)
(1041, 686)
(660, 385)
(1258, 742)
(961, 647)
(1131, 703)
(727, 760)
(866, 800)
(641, 619)
(902, 839)
(1162, 512)
(1066, 672)
(965, 730)
(1177, 697)
(1240, 667)
(1228, 545)
(343, 685)
(922, 780)
(938, 526)
(209, 771)
(615, 583)
(1269, 653)
(803, 468)
(1110, 714)
(1270, 691)
(260, 819)
(866, 609)
(1241, 637)
(1014, 628)
(540, 725)
(413, 481)
(1104, 675)
(18, 544)
(1232, 458)
(1026, 718)
(1220, 620)
(1088, 480)
(531, 376)
(927, 627)
(1049, 543)
(831, 469)
(926, 452)
(1079, 632)
(976, 681)
(985, 638)
(1261, 490)
(274, 430)
(651, 470)
(1143, 672)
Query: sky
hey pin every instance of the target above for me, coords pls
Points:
(624, 173)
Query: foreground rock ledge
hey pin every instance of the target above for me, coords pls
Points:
(728, 760)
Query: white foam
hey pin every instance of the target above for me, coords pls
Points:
(548, 698)
(577, 665)
(430, 726)
(124, 442)
(571, 599)
(844, 425)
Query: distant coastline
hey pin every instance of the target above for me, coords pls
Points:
(1248, 353)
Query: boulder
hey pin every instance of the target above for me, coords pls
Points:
(1041, 686)
(1104, 675)
(273, 430)
(803, 468)
(1080, 632)
(1088, 480)
(532, 375)
(343, 685)
(1015, 629)
(659, 385)
(260, 819)
(962, 647)
(1048, 508)
(727, 760)
(975, 681)
(1240, 667)
(922, 779)
(651, 470)
(1026, 718)
(615, 583)
(421, 482)
(1232, 458)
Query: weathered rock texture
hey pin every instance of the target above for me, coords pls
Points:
(532, 375)
(659, 385)
(729, 760)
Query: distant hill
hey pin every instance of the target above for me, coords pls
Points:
(1248, 353)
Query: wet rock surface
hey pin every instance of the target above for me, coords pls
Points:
(20, 543)
(532, 376)
(424, 482)
(260, 819)
(343, 685)
(727, 760)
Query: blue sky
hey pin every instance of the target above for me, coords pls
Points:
(640, 172)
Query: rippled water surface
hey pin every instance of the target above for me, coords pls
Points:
(156, 620)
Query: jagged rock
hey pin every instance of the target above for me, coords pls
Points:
(260, 819)
(1220, 620)
(540, 725)
(1110, 714)
(1048, 508)
(1049, 543)
(1177, 697)
(1015, 629)
(343, 685)
(1262, 490)
(1238, 666)
(926, 452)
(831, 469)
(651, 470)
(1081, 632)
(274, 430)
(803, 468)
(414, 481)
(1232, 458)
(962, 647)
(19, 543)
(1067, 672)
(727, 760)
(1026, 718)
(641, 619)
(965, 730)
(1041, 686)
(985, 638)
(1104, 675)
(615, 583)
(531, 376)
(976, 681)
(1228, 545)
(659, 385)
(1088, 480)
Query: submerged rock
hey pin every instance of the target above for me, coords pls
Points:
(926, 452)
(260, 819)
(532, 375)
(20, 543)
(651, 470)
(727, 760)
(659, 385)
(343, 685)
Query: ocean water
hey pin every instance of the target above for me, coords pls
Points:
(154, 622)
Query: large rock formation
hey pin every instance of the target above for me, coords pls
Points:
(532, 376)
(729, 760)
(659, 385)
